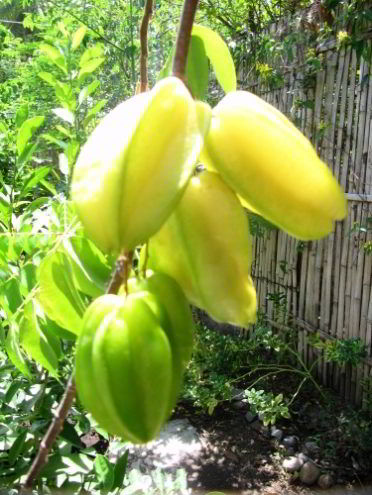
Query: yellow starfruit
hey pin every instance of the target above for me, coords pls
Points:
(272, 166)
(205, 246)
(135, 165)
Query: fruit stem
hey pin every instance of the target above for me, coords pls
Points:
(127, 267)
(183, 38)
(121, 273)
(52, 433)
(144, 49)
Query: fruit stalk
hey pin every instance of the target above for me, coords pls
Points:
(52, 433)
(144, 49)
(183, 38)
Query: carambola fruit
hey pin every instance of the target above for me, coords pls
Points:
(166, 299)
(272, 166)
(135, 165)
(205, 246)
(131, 355)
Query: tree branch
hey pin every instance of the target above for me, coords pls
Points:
(120, 274)
(52, 432)
(144, 49)
(132, 45)
(183, 38)
(218, 16)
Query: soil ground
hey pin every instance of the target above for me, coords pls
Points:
(242, 458)
(239, 458)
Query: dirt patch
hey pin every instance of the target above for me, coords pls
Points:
(240, 456)
(234, 455)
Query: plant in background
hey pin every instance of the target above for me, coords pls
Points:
(68, 67)
(348, 351)
(270, 407)
(221, 363)
(360, 231)
(343, 38)
(216, 361)
(258, 226)
(279, 300)
(341, 351)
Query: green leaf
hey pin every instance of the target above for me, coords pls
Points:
(48, 77)
(13, 349)
(17, 447)
(90, 66)
(28, 277)
(72, 151)
(11, 297)
(50, 187)
(51, 326)
(197, 68)
(88, 90)
(37, 203)
(35, 342)
(219, 56)
(65, 115)
(3, 128)
(64, 131)
(27, 154)
(68, 464)
(58, 295)
(2, 334)
(69, 433)
(104, 472)
(77, 37)
(54, 56)
(28, 22)
(33, 179)
(51, 139)
(26, 131)
(50, 51)
(95, 51)
(51, 337)
(93, 111)
(12, 390)
(65, 95)
(167, 67)
(120, 470)
(90, 269)
(22, 114)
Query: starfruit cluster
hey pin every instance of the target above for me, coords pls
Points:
(136, 182)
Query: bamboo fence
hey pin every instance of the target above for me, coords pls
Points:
(325, 286)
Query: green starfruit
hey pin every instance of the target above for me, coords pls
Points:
(124, 367)
(272, 166)
(165, 298)
(136, 164)
(169, 294)
(205, 246)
